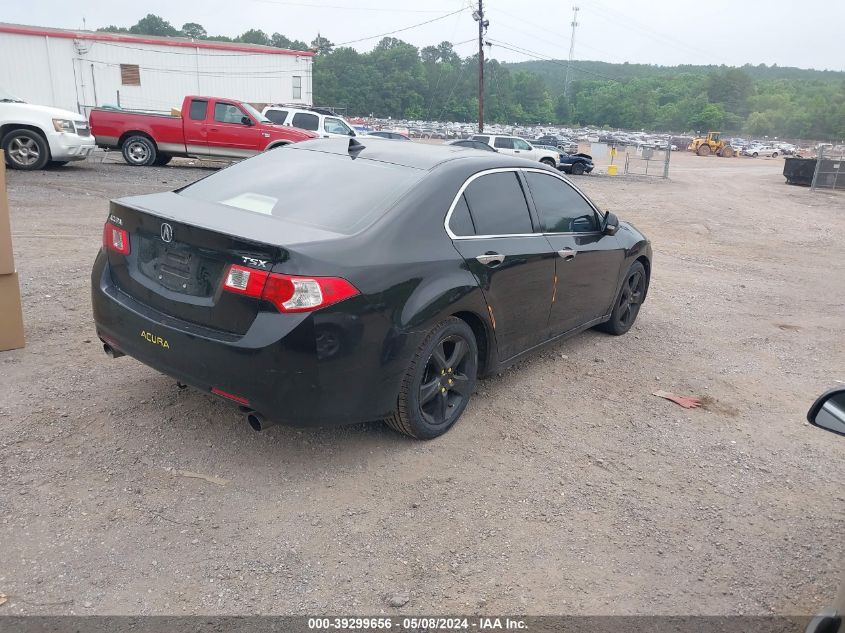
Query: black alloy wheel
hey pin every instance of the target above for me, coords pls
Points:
(439, 382)
(628, 302)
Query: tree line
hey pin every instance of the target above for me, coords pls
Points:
(399, 80)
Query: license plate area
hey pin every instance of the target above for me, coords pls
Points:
(179, 267)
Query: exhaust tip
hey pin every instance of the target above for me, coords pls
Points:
(258, 422)
(255, 420)
(112, 352)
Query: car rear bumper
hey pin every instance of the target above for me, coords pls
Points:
(300, 369)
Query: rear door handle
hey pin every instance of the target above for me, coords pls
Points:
(491, 259)
(568, 254)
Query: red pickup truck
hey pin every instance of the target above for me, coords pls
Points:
(207, 127)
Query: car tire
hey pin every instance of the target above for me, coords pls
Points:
(626, 307)
(578, 169)
(774, 154)
(438, 383)
(754, 155)
(139, 151)
(25, 149)
(162, 160)
(549, 162)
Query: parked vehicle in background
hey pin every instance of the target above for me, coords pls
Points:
(33, 136)
(207, 127)
(332, 282)
(322, 121)
(396, 136)
(472, 144)
(519, 147)
(761, 150)
(576, 164)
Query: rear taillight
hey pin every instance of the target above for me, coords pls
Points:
(116, 239)
(287, 292)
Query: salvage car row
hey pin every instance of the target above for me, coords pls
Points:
(204, 127)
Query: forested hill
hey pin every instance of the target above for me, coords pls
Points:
(435, 82)
(554, 72)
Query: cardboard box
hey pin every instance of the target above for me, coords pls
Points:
(11, 316)
(7, 262)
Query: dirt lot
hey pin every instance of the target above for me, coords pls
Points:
(566, 488)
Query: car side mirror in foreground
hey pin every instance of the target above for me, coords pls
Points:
(611, 224)
(246, 120)
(828, 411)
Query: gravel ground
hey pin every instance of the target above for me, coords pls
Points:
(567, 487)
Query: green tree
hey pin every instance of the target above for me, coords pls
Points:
(194, 30)
(153, 25)
(254, 36)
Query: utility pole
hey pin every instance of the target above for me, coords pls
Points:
(478, 16)
(571, 48)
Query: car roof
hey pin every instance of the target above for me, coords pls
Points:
(414, 155)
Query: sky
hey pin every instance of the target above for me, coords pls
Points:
(805, 34)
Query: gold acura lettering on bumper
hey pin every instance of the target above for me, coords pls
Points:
(155, 340)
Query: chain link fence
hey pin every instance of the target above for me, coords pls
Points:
(830, 168)
(648, 161)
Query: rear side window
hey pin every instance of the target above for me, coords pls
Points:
(497, 205)
(306, 121)
(460, 222)
(198, 109)
(503, 143)
(317, 189)
(561, 208)
(277, 116)
(482, 139)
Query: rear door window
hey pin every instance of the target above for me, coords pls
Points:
(561, 208)
(306, 121)
(198, 110)
(277, 116)
(497, 205)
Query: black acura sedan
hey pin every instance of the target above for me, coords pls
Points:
(336, 281)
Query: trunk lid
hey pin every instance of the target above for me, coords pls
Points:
(179, 268)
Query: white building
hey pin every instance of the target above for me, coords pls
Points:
(79, 70)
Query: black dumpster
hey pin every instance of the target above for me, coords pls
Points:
(799, 171)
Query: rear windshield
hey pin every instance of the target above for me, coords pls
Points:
(328, 191)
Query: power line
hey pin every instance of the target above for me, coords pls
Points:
(546, 58)
(345, 7)
(406, 28)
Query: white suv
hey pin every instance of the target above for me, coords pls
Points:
(518, 147)
(324, 122)
(32, 135)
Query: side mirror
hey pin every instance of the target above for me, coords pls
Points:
(611, 224)
(246, 120)
(828, 411)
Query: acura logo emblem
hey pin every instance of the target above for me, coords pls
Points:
(166, 232)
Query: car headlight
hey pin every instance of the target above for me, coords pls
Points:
(64, 125)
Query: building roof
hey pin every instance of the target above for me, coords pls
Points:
(125, 38)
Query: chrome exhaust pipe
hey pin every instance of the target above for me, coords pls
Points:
(112, 352)
(258, 422)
